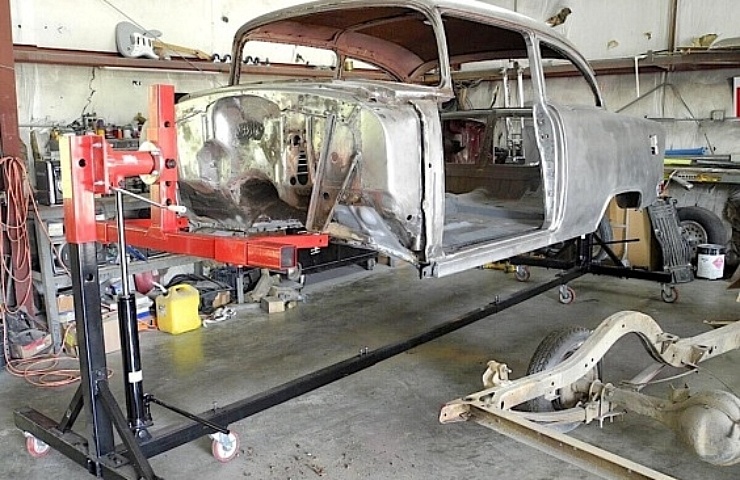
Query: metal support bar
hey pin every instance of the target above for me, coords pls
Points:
(633, 273)
(574, 451)
(174, 436)
(93, 367)
(211, 425)
(584, 260)
(73, 411)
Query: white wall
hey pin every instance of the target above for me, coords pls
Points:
(49, 94)
(208, 25)
(600, 28)
(635, 25)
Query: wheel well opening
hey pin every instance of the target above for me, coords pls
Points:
(628, 200)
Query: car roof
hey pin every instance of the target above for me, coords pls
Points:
(391, 33)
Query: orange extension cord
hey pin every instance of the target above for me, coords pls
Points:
(48, 370)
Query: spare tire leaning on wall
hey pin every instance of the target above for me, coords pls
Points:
(700, 225)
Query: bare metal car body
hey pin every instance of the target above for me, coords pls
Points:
(387, 156)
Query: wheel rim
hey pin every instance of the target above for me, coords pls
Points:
(694, 234)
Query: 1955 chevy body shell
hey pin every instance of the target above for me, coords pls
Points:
(366, 156)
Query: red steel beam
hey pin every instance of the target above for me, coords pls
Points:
(276, 252)
(10, 145)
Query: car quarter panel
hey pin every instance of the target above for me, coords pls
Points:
(605, 154)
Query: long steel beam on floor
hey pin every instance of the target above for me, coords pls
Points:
(113, 462)
(174, 436)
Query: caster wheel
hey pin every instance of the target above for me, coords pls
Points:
(522, 273)
(225, 447)
(294, 274)
(567, 295)
(669, 294)
(36, 448)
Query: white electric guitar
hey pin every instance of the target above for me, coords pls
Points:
(134, 42)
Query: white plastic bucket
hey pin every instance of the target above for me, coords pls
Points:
(710, 261)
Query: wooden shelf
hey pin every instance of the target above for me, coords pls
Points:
(80, 58)
(653, 62)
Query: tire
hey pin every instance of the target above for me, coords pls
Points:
(553, 350)
(699, 226)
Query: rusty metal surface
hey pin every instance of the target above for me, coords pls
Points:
(10, 143)
(365, 160)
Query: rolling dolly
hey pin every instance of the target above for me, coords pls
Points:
(579, 253)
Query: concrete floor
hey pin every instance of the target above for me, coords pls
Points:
(382, 423)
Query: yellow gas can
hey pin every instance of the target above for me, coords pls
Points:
(177, 310)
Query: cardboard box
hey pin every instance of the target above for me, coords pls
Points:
(65, 303)
(111, 332)
(111, 335)
(630, 224)
(27, 346)
(272, 304)
(221, 299)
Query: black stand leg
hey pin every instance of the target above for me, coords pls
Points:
(93, 367)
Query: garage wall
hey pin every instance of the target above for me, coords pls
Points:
(208, 25)
(634, 26)
(57, 94)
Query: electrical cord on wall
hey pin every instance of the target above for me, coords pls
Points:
(46, 370)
